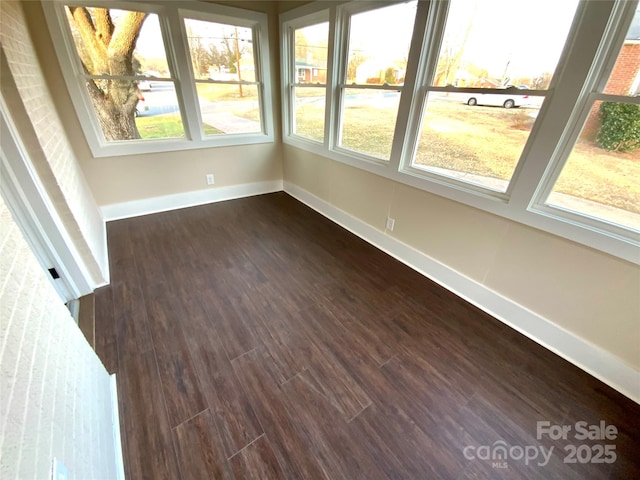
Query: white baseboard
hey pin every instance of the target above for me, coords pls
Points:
(146, 206)
(115, 418)
(590, 358)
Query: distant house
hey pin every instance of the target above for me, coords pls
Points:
(625, 76)
(374, 71)
(309, 73)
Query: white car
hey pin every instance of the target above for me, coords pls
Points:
(506, 100)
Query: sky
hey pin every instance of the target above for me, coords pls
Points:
(527, 35)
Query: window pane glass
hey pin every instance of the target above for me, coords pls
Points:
(309, 112)
(311, 54)
(379, 44)
(368, 121)
(604, 182)
(496, 43)
(474, 138)
(310, 68)
(153, 115)
(93, 34)
(220, 52)
(625, 76)
(229, 108)
(158, 114)
(117, 102)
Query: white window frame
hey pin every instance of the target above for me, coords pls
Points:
(171, 15)
(340, 85)
(601, 69)
(434, 33)
(583, 49)
(290, 79)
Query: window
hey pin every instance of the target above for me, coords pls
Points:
(478, 101)
(224, 70)
(600, 178)
(373, 76)
(135, 91)
(305, 76)
(116, 97)
(479, 136)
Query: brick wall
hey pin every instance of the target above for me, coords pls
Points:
(620, 82)
(48, 145)
(54, 392)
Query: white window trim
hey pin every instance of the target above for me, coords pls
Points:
(583, 46)
(171, 14)
(338, 84)
(288, 70)
(596, 81)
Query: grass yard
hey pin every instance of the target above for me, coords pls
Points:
(485, 141)
(216, 92)
(166, 126)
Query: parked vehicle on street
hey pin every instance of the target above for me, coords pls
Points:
(507, 100)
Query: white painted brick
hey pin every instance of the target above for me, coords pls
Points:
(60, 171)
(54, 392)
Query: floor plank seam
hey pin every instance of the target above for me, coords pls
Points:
(387, 361)
(301, 378)
(243, 353)
(356, 415)
(247, 446)
(190, 418)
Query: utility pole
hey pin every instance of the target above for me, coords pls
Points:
(238, 61)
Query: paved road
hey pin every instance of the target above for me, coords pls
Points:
(162, 100)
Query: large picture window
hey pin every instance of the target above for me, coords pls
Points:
(224, 69)
(601, 176)
(135, 91)
(478, 136)
(373, 76)
(529, 111)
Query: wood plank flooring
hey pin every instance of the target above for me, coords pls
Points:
(255, 339)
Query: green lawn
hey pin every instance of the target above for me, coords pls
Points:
(485, 141)
(214, 92)
(166, 126)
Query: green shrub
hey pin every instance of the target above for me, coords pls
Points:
(619, 127)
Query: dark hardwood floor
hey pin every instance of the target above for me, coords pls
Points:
(256, 339)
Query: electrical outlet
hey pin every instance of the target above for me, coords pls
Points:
(210, 179)
(390, 224)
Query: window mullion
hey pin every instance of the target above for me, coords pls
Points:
(430, 18)
(179, 59)
(288, 71)
(561, 108)
(405, 128)
(338, 35)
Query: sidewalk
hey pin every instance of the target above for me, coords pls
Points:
(227, 122)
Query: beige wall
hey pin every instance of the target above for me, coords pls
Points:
(135, 177)
(588, 293)
(32, 108)
(55, 397)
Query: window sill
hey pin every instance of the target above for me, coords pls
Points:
(137, 147)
